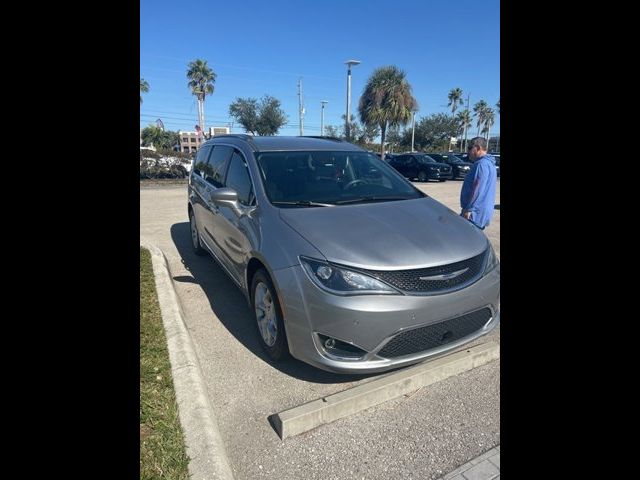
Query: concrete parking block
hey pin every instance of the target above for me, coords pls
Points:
(484, 470)
(333, 407)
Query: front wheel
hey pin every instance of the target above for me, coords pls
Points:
(268, 316)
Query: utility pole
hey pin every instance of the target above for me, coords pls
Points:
(464, 147)
(322, 102)
(300, 107)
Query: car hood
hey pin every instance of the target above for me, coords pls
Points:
(405, 234)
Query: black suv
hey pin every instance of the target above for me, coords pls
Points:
(421, 166)
(459, 167)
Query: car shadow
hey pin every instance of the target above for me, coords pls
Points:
(230, 306)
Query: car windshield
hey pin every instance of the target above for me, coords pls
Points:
(454, 159)
(426, 159)
(328, 178)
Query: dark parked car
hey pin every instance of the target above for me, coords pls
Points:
(421, 166)
(464, 157)
(459, 167)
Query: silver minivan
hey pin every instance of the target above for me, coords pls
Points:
(345, 264)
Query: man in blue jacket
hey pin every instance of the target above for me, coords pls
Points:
(479, 188)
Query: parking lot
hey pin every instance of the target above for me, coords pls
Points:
(422, 435)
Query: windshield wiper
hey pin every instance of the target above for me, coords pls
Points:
(304, 203)
(370, 199)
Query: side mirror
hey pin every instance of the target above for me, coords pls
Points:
(224, 196)
(229, 197)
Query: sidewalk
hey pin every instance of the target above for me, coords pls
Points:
(484, 467)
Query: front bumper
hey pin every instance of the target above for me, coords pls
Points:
(439, 175)
(370, 322)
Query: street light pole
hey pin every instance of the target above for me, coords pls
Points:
(300, 107)
(322, 102)
(347, 128)
(413, 127)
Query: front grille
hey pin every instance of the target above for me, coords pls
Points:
(432, 336)
(409, 280)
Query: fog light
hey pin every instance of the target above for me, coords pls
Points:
(341, 349)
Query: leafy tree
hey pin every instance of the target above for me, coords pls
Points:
(331, 131)
(245, 111)
(271, 116)
(265, 117)
(432, 133)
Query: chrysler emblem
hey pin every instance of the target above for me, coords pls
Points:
(446, 276)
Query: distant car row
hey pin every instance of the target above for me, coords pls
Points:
(433, 166)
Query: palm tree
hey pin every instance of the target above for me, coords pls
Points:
(489, 120)
(201, 80)
(479, 110)
(144, 88)
(386, 101)
(455, 99)
(465, 120)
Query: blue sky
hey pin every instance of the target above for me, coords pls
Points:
(264, 47)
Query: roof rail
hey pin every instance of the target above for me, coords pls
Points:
(242, 136)
(336, 139)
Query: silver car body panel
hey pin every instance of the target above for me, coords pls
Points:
(384, 236)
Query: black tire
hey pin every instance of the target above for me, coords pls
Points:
(195, 238)
(279, 349)
(442, 179)
(422, 176)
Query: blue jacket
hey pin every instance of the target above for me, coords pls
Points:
(478, 192)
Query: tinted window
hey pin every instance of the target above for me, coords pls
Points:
(332, 177)
(238, 179)
(200, 161)
(214, 172)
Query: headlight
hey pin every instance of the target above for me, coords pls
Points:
(433, 169)
(492, 260)
(464, 167)
(340, 281)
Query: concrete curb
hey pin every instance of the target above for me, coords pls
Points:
(207, 456)
(339, 405)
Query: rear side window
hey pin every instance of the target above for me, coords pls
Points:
(238, 179)
(214, 172)
(200, 162)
